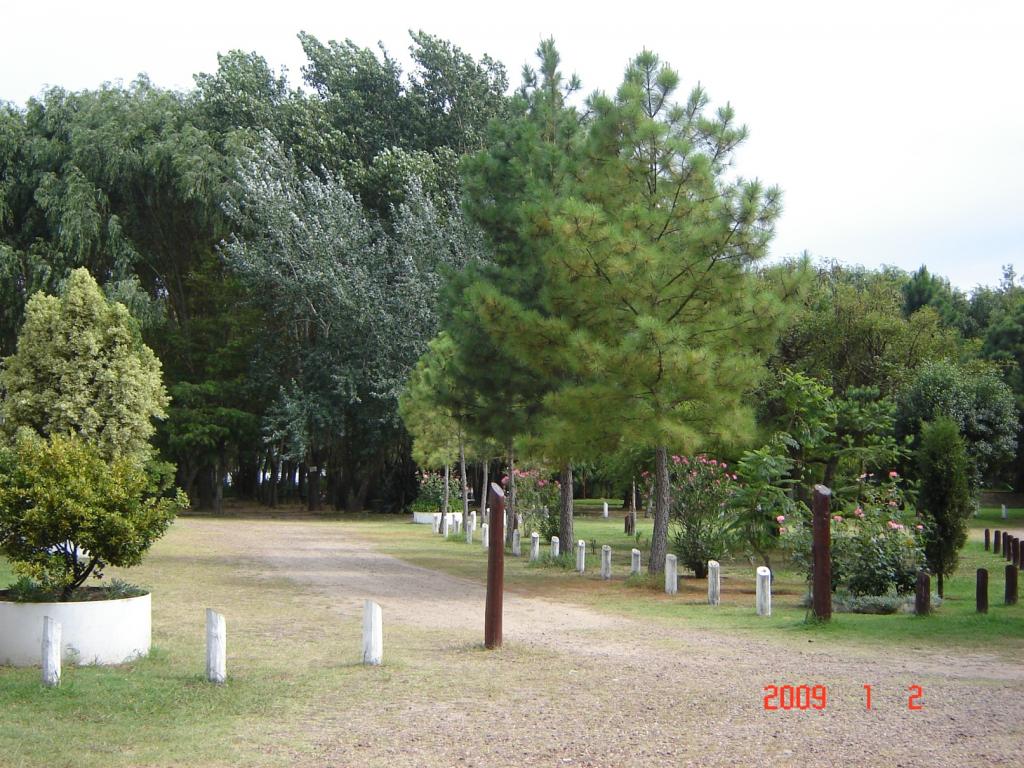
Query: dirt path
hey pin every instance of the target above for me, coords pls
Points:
(580, 688)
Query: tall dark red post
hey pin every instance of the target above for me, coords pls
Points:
(821, 552)
(988, 539)
(495, 569)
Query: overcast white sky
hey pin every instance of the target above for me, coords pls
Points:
(896, 129)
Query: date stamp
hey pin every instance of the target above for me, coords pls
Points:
(805, 697)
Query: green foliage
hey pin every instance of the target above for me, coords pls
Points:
(701, 519)
(943, 497)
(764, 492)
(876, 544)
(979, 403)
(67, 511)
(81, 367)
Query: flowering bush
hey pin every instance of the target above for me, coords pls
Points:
(431, 492)
(537, 500)
(876, 545)
(699, 517)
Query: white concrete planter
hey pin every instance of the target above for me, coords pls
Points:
(427, 518)
(95, 632)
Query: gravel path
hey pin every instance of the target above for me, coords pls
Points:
(580, 688)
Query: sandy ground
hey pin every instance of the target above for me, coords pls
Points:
(580, 688)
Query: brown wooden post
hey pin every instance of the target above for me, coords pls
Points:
(1011, 585)
(822, 554)
(495, 570)
(923, 598)
(997, 541)
(981, 592)
(988, 539)
(1008, 547)
(1017, 554)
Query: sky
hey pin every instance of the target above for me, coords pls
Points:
(895, 129)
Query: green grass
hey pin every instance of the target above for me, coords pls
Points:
(956, 623)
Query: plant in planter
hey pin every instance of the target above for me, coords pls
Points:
(80, 486)
(66, 513)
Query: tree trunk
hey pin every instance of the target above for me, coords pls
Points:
(447, 491)
(511, 508)
(565, 533)
(659, 539)
(940, 585)
(275, 467)
(206, 488)
(485, 491)
(465, 487)
(313, 483)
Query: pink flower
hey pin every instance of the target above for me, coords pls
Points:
(837, 518)
(504, 480)
(677, 459)
(858, 512)
(541, 483)
(894, 474)
(714, 463)
(724, 465)
(685, 460)
(893, 503)
(919, 527)
(780, 519)
(895, 526)
(782, 530)
(734, 476)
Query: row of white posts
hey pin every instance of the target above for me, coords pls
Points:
(216, 645)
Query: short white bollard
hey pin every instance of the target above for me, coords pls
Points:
(605, 511)
(1004, 515)
(534, 546)
(764, 591)
(469, 534)
(606, 562)
(714, 583)
(485, 535)
(437, 522)
(472, 520)
(373, 633)
(445, 520)
(516, 546)
(555, 547)
(634, 563)
(671, 575)
(216, 647)
(581, 556)
(487, 514)
(51, 652)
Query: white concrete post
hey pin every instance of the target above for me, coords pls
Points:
(555, 552)
(487, 515)
(606, 562)
(373, 633)
(671, 575)
(634, 565)
(445, 519)
(714, 583)
(51, 652)
(484, 530)
(469, 534)
(472, 519)
(1004, 515)
(437, 522)
(605, 511)
(516, 547)
(534, 546)
(216, 647)
(764, 591)
(581, 556)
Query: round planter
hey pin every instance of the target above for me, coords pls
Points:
(94, 632)
(427, 518)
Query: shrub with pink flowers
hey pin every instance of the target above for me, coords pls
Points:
(431, 492)
(537, 500)
(876, 543)
(700, 518)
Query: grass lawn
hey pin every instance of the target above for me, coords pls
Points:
(956, 623)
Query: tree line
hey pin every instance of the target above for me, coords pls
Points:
(385, 268)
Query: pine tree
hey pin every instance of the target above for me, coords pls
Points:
(651, 317)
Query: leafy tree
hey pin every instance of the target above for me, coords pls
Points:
(67, 511)
(979, 403)
(943, 497)
(923, 289)
(653, 316)
(81, 367)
